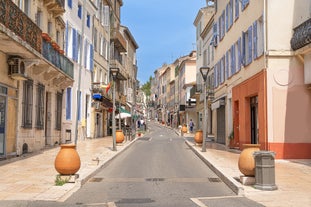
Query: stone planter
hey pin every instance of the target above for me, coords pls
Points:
(198, 137)
(67, 161)
(246, 160)
(119, 136)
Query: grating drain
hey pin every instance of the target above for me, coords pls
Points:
(135, 200)
(96, 180)
(155, 179)
(214, 180)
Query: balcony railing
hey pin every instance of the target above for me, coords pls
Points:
(57, 59)
(302, 35)
(18, 22)
(118, 39)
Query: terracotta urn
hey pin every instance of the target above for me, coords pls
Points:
(67, 161)
(198, 137)
(119, 136)
(184, 129)
(246, 160)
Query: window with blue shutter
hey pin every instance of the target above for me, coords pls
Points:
(227, 16)
(91, 57)
(74, 44)
(250, 43)
(237, 9)
(244, 4)
(68, 104)
(69, 3)
(232, 66)
(215, 76)
(66, 38)
(88, 20)
(227, 66)
(80, 11)
(255, 39)
(230, 13)
(243, 48)
(85, 53)
(223, 24)
(239, 54)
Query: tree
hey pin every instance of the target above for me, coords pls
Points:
(147, 87)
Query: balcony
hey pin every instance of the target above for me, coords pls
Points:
(194, 91)
(122, 75)
(302, 35)
(20, 24)
(57, 59)
(119, 41)
(56, 7)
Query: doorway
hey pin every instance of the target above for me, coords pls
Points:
(3, 106)
(254, 119)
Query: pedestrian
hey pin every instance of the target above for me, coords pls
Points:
(191, 125)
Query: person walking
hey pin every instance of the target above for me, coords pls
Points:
(191, 125)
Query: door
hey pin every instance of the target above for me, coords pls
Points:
(3, 102)
(221, 125)
(254, 119)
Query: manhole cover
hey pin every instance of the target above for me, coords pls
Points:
(145, 139)
(135, 200)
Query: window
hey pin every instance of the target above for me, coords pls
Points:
(50, 28)
(58, 36)
(239, 54)
(222, 70)
(95, 39)
(27, 104)
(40, 106)
(68, 104)
(247, 46)
(38, 18)
(237, 9)
(233, 60)
(58, 120)
(258, 38)
(69, 2)
(80, 11)
(88, 20)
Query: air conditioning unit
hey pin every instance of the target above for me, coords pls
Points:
(17, 68)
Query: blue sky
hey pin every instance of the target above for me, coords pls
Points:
(163, 30)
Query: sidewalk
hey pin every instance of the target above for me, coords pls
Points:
(293, 177)
(32, 177)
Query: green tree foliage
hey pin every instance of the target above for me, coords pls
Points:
(147, 87)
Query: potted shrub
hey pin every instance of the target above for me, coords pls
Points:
(231, 139)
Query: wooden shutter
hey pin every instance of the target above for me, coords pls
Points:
(250, 43)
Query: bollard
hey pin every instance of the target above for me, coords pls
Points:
(264, 170)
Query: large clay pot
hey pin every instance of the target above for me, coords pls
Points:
(198, 137)
(67, 161)
(246, 159)
(184, 129)
(119, 136)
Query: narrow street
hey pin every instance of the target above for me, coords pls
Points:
(157, 170)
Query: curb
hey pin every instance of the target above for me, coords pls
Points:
(230, 182)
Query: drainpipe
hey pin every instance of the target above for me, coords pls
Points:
(266, 64)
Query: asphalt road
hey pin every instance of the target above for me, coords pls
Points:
(157, 170)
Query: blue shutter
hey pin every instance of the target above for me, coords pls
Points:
(69, 4)
(227, 66)
(91, 57)
(239, 54)
(74, 44)
(255, 39)
(250, 44)
(243, 48)
(66, 38)
(215, 75)
(231, 13)
(227, 15)
(237, 8)
(233, 59)
(68, 104)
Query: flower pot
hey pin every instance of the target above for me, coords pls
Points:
(61, 52)
(119, 136)
(184, 129)
(67, 161)
(46, 37)
(246, 160)
(198, 137)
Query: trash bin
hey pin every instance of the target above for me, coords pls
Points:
(264, 170)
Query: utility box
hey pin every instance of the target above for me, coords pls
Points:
(264, 170)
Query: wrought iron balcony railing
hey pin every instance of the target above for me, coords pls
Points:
(18, 22)
(57, 59)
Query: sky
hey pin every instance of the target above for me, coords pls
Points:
(163, 30)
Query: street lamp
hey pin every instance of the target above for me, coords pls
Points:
(204, 72)
(114, 73)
